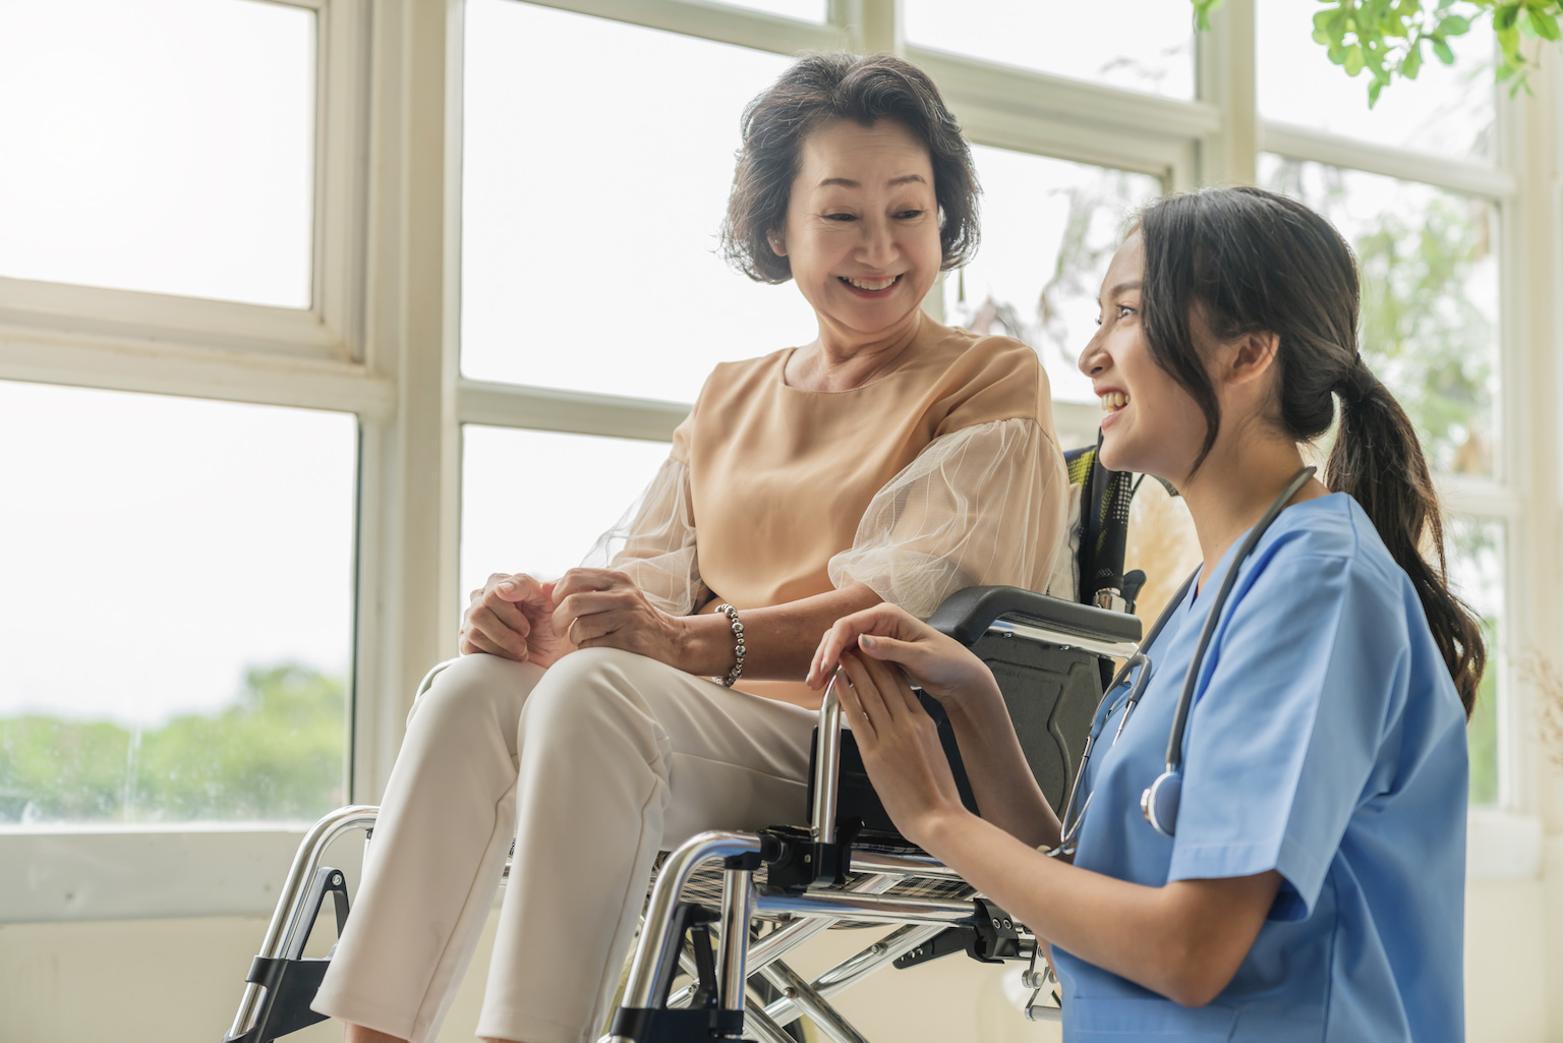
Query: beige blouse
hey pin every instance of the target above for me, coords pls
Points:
(943, 473)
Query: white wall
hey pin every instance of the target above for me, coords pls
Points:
(170, 981)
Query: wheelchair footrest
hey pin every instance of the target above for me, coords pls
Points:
(289, 982)
(290, 987)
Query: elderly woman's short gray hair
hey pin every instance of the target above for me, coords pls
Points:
(825, 87)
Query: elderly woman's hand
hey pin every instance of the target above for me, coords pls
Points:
(604, 608)
(939, 665)
(512, 616)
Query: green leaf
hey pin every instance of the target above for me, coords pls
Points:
(1442, 49)
(1505, 17)
(1545, 25)
(1354, 60)
(1373, 92)
(1337, 53)
(1454, 25)
(1411, 64)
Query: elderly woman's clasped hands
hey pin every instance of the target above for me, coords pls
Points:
(518, 617)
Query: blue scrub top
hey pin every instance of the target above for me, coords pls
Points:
(1326, 742)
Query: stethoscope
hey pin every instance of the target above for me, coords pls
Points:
(1159, 802)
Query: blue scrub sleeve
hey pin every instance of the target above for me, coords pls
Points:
(1287, 725)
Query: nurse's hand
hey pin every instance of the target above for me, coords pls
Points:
(510, 616)
(605, 608)
(939, 665)
(900, 747)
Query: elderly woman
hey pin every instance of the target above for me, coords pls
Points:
(610, 715)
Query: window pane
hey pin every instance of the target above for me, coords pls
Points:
(594, 266)
(1476, 556)
(512, 517)
(159, 145)
(1150, 46)
(177, 616)
(803, 10)
(1049, 228)
(1429, 262)
(1447, 109)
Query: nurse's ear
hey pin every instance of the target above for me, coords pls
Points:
(1244, 368)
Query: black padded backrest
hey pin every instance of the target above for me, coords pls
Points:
(1104, 519)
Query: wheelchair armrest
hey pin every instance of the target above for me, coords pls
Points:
(967, 615)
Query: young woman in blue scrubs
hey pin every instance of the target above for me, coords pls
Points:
(1313, 886)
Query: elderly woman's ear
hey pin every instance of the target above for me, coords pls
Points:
(778, 243)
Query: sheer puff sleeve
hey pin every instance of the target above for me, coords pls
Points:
(982, 505)
(654, 542)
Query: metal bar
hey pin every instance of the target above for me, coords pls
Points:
(784, 939)
(827, 767)
(889, 948)
(757, 1022)
(812, 1003)
(902, 865)
(872, 908)
(283, 925)
(1064, 638)
(737, 909)
(657, 950)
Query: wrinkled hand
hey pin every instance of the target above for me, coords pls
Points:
(512, 616)
(939, 665)
(900, 746)
(604, 608)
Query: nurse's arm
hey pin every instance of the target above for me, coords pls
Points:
(1184, 940)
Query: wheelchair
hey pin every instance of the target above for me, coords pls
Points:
(725, 907)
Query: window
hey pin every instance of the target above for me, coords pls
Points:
(1476, 564)
(178, 621)
(1049, 228)
(1447, 109)
(1429, 263)
(515, 515)
(1144, 45)
(594, 267)
(163, 145)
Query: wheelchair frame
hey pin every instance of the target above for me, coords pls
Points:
(817, 876)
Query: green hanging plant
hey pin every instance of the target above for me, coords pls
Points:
(1389, 39)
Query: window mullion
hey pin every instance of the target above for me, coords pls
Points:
(1227, 79)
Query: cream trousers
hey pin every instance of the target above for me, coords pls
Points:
(593, 766)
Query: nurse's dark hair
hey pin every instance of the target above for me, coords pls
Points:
(1244, 260)
(817, 89)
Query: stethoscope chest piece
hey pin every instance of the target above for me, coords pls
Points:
(1159, 803)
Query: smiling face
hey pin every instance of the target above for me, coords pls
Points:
(1150, 424)
(862, 231)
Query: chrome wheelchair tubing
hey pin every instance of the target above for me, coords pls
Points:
(1063, 638)
(811, 1003)
(733, 948)
(873, 908)
(284, 932)
(784, 939)
(827, 767)
(657, 951)
(856, 967)
(902, 865)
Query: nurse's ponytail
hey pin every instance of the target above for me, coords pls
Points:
(1253, 261)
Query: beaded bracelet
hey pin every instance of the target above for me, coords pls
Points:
(738, 645)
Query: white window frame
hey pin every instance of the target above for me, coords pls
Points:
(381, 341)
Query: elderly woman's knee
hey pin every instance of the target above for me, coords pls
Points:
(587, 689)
(474, 690)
